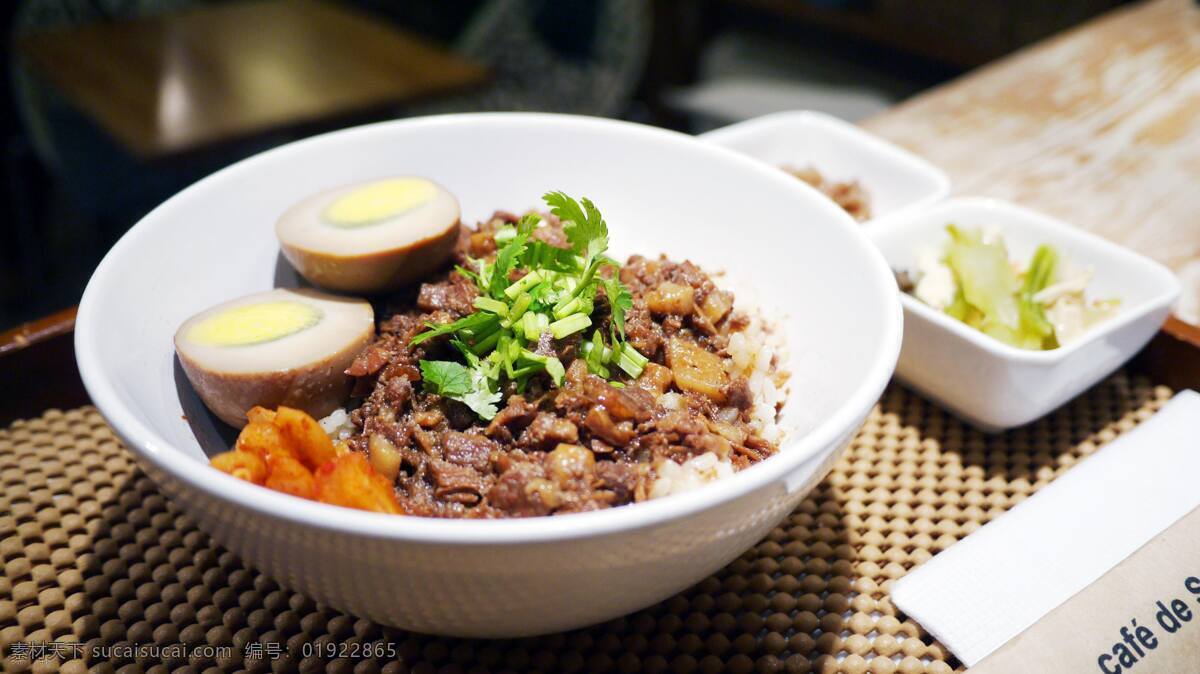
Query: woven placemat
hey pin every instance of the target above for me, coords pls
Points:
(101, 570)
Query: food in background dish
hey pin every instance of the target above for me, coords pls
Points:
(280, 347)
(540, 376)
(288, 451)
(371, 237)
(849, 195)
(1039, 306)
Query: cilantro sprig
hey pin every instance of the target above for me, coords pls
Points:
(461, 383)
(529, 290)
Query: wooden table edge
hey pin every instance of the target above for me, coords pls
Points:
(34, 333)
(38, 369)
(1182, 330)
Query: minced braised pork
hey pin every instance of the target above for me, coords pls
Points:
(584, 446)
(849, 195)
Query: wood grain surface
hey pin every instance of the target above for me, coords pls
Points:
(190, 79)
(1099, 126)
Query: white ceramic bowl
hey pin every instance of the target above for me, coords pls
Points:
(896, 180)
(988, 382)
(659, 191)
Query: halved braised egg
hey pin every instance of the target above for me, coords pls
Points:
(371, 237)
(280, 347)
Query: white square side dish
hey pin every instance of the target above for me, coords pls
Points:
(992, 384)
(896, 181)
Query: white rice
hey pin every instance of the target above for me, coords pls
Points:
(671, 401)
(755, 353)
(674, 478)
(752, 353)
(337, 425)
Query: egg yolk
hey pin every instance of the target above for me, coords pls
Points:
(378, 201)
(255, 323)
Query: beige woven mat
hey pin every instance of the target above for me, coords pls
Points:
(99, 569)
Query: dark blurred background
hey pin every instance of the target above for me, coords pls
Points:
(80, 165)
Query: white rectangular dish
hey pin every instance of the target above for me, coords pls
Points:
(895, 180)
(998, 386)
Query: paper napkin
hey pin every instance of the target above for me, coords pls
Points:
(995, 583)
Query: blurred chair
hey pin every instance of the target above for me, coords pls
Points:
(103, 181)
(572, 56)
(97, 177)
(106, 188)
(106, 184)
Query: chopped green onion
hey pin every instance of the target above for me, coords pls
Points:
(556, 295)
(504, 351)
(596, 354)
(484, 345)
(467, 273)
(527, 370)
(494, 306)
(631, 361)
(554, 368)
(583, 282)
(524, 283)
(551, 364)
(505, 234)
(514, 349)
(635, 355)
(520, 305)
(476, 335)
(529, 326)
(569, 325)
(571, 307)
(517, 309)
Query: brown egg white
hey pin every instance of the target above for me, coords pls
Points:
(371, 237)
(280, 347)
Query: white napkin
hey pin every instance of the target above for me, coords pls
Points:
(995, 583)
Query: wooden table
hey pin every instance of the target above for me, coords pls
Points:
(185, 80)
(1099, 126)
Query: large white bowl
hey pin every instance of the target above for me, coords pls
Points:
(659, 191)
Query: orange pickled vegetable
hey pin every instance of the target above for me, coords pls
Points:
(302, 433)
(289, 476)
(242, 465)
(260, 415)
(263, 439)
(288, 451)
(350, 481)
